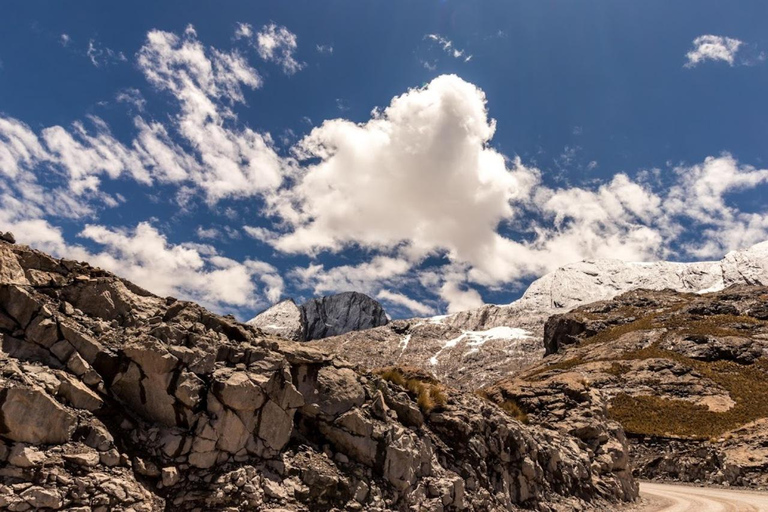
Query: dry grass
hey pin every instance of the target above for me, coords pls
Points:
(508, 405)
(747, 385)
(429, 394)
(564, 365)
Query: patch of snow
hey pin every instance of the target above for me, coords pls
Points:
(404, 343)
(437, 319)
(713, 288)
(476, 339)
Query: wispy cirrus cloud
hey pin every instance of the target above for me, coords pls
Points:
(448, 47)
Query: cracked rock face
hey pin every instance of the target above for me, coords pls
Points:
(115, 399)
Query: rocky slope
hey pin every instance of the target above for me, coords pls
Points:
(685, 374)
(477, 347)
(321, 317)
(114, 399)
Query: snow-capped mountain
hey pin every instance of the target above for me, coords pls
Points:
(475, 347)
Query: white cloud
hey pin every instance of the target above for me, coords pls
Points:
(365, 277)
(190, 271)
(710, 47)
(278, 44)
(420, 178)
(459, 299)
(243, 31)
(448, 47)
(416, 307)
(99, 54)
(325, 49)
(262, 234)
(208, 233)
(234, 162)
(220, 158)
(64, 39)
(132, 96)
(429, 142)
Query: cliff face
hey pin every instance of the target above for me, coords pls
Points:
(342, 313)
(474, 348)
(322, 317)
(685, 374)
(115, 399)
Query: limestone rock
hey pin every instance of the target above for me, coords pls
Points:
(25, 456)
(30, 415)
(113, 399)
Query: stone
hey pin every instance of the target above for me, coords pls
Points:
(31, 416)
(189, 389)
(170, 476)
(86, 458)
(194, 411)
(19, 304)
(275, 426)
(25, 456)
(62, 350)
(338, 390)
(43, 331)
(78, 394)
(41, 498)
(8, 237)
(11, 271)
(237, 390)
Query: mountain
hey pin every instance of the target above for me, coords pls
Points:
(475, 348)
(685, 374)
(321, 317)
(112, 398)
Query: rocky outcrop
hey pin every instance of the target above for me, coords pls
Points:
(319, 318)
(477, 347)
(685, 374)
(284, 319)
(341, 313)
(114, 399)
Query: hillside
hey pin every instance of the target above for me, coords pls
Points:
(112, 398)
(685, 374)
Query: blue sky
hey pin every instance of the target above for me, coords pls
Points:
(229, 153)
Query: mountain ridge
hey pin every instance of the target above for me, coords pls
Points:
(432, 342)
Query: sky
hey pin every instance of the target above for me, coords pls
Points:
(436, 155)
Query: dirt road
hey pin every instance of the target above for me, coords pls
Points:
(681, 498)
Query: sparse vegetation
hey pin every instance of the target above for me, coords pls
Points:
(617, 369)
(564, 365)
(394, 376)
(429, 394)
(747, 385)
(508, 405)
